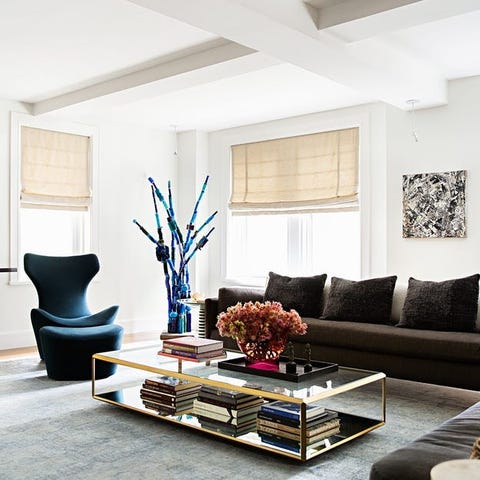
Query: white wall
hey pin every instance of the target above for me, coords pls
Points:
(448, 140)
(130, 275)
(370, 118)
(192, 163)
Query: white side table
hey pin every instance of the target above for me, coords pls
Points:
(456, 470)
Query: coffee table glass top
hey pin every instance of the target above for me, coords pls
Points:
(307, 391)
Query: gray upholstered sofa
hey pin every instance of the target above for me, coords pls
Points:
(439, 357)
(451, 440)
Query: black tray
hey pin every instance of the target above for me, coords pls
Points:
(319, 368)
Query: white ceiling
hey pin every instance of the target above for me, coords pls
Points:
(212, 64)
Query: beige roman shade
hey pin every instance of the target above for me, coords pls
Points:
(55, 170)
(308, 172)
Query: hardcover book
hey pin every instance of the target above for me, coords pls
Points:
(161, 405)
(232, 412)
(292, 410)
(193, 344)
(227, 429)
(165, 410)
(312, 435)
(166, 398)
(316, 426)
(206, 415)
(229, 402)
(182, 353)
(224, 393)
(288, 421)
(171, 384)
(293, 445)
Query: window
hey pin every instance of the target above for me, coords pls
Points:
(294, 207)
(52, 178)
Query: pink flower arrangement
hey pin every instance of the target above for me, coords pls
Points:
(259, 322)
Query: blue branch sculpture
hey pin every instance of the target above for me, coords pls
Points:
(175, 268)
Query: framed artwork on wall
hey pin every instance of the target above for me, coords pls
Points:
(434, 205)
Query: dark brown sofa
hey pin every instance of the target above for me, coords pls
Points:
(445, 358)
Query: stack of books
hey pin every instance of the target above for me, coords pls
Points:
(193, 348)
(278, 424)
(169, 395)
(226, 411)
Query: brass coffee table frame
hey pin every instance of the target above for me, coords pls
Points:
(145, 359)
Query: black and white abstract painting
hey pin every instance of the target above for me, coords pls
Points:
(434, 205)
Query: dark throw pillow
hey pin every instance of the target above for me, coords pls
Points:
(368, 301)
(448, 306)
(303, 294)
(229, 296)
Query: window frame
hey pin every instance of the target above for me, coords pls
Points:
(298, 231)
(313, 123)
(17, 121)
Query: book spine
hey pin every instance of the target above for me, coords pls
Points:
(277, 419)
(181, 353)
(229, 403)
(217, 400)
(278, 426)
(294, 445)
(219, 393)
(323, 427)
(283, 445)
(162, 408)
(210, 422)
(231, 412)
(205, 415)
(161, 404)
(171, 351)
(183, 389)
(182, 348)
(168, 399)
(280, 413)
(327, 427)
(278, 432)
(191, 348)
(160, 387)
(322, 436)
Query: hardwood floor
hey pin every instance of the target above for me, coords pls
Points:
(128, 340)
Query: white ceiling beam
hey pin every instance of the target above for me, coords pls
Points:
(288, 35)
(352, 20)
(350, 10)
(218, 59)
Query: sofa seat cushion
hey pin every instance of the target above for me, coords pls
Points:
(451, 346)
(451, 440)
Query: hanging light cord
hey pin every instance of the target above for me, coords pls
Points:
(175, 151)
(412, 113)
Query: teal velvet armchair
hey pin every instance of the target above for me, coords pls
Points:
(61, 284)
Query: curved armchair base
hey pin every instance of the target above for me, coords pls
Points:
(41, 318)
(68, 351)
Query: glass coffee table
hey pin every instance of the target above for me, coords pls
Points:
(356, 396)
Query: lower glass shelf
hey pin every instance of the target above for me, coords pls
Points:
(351, 426)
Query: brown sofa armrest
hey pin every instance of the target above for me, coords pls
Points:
(211, 312)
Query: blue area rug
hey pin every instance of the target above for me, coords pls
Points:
(55, 430)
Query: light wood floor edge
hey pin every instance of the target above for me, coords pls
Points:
(15, 353)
